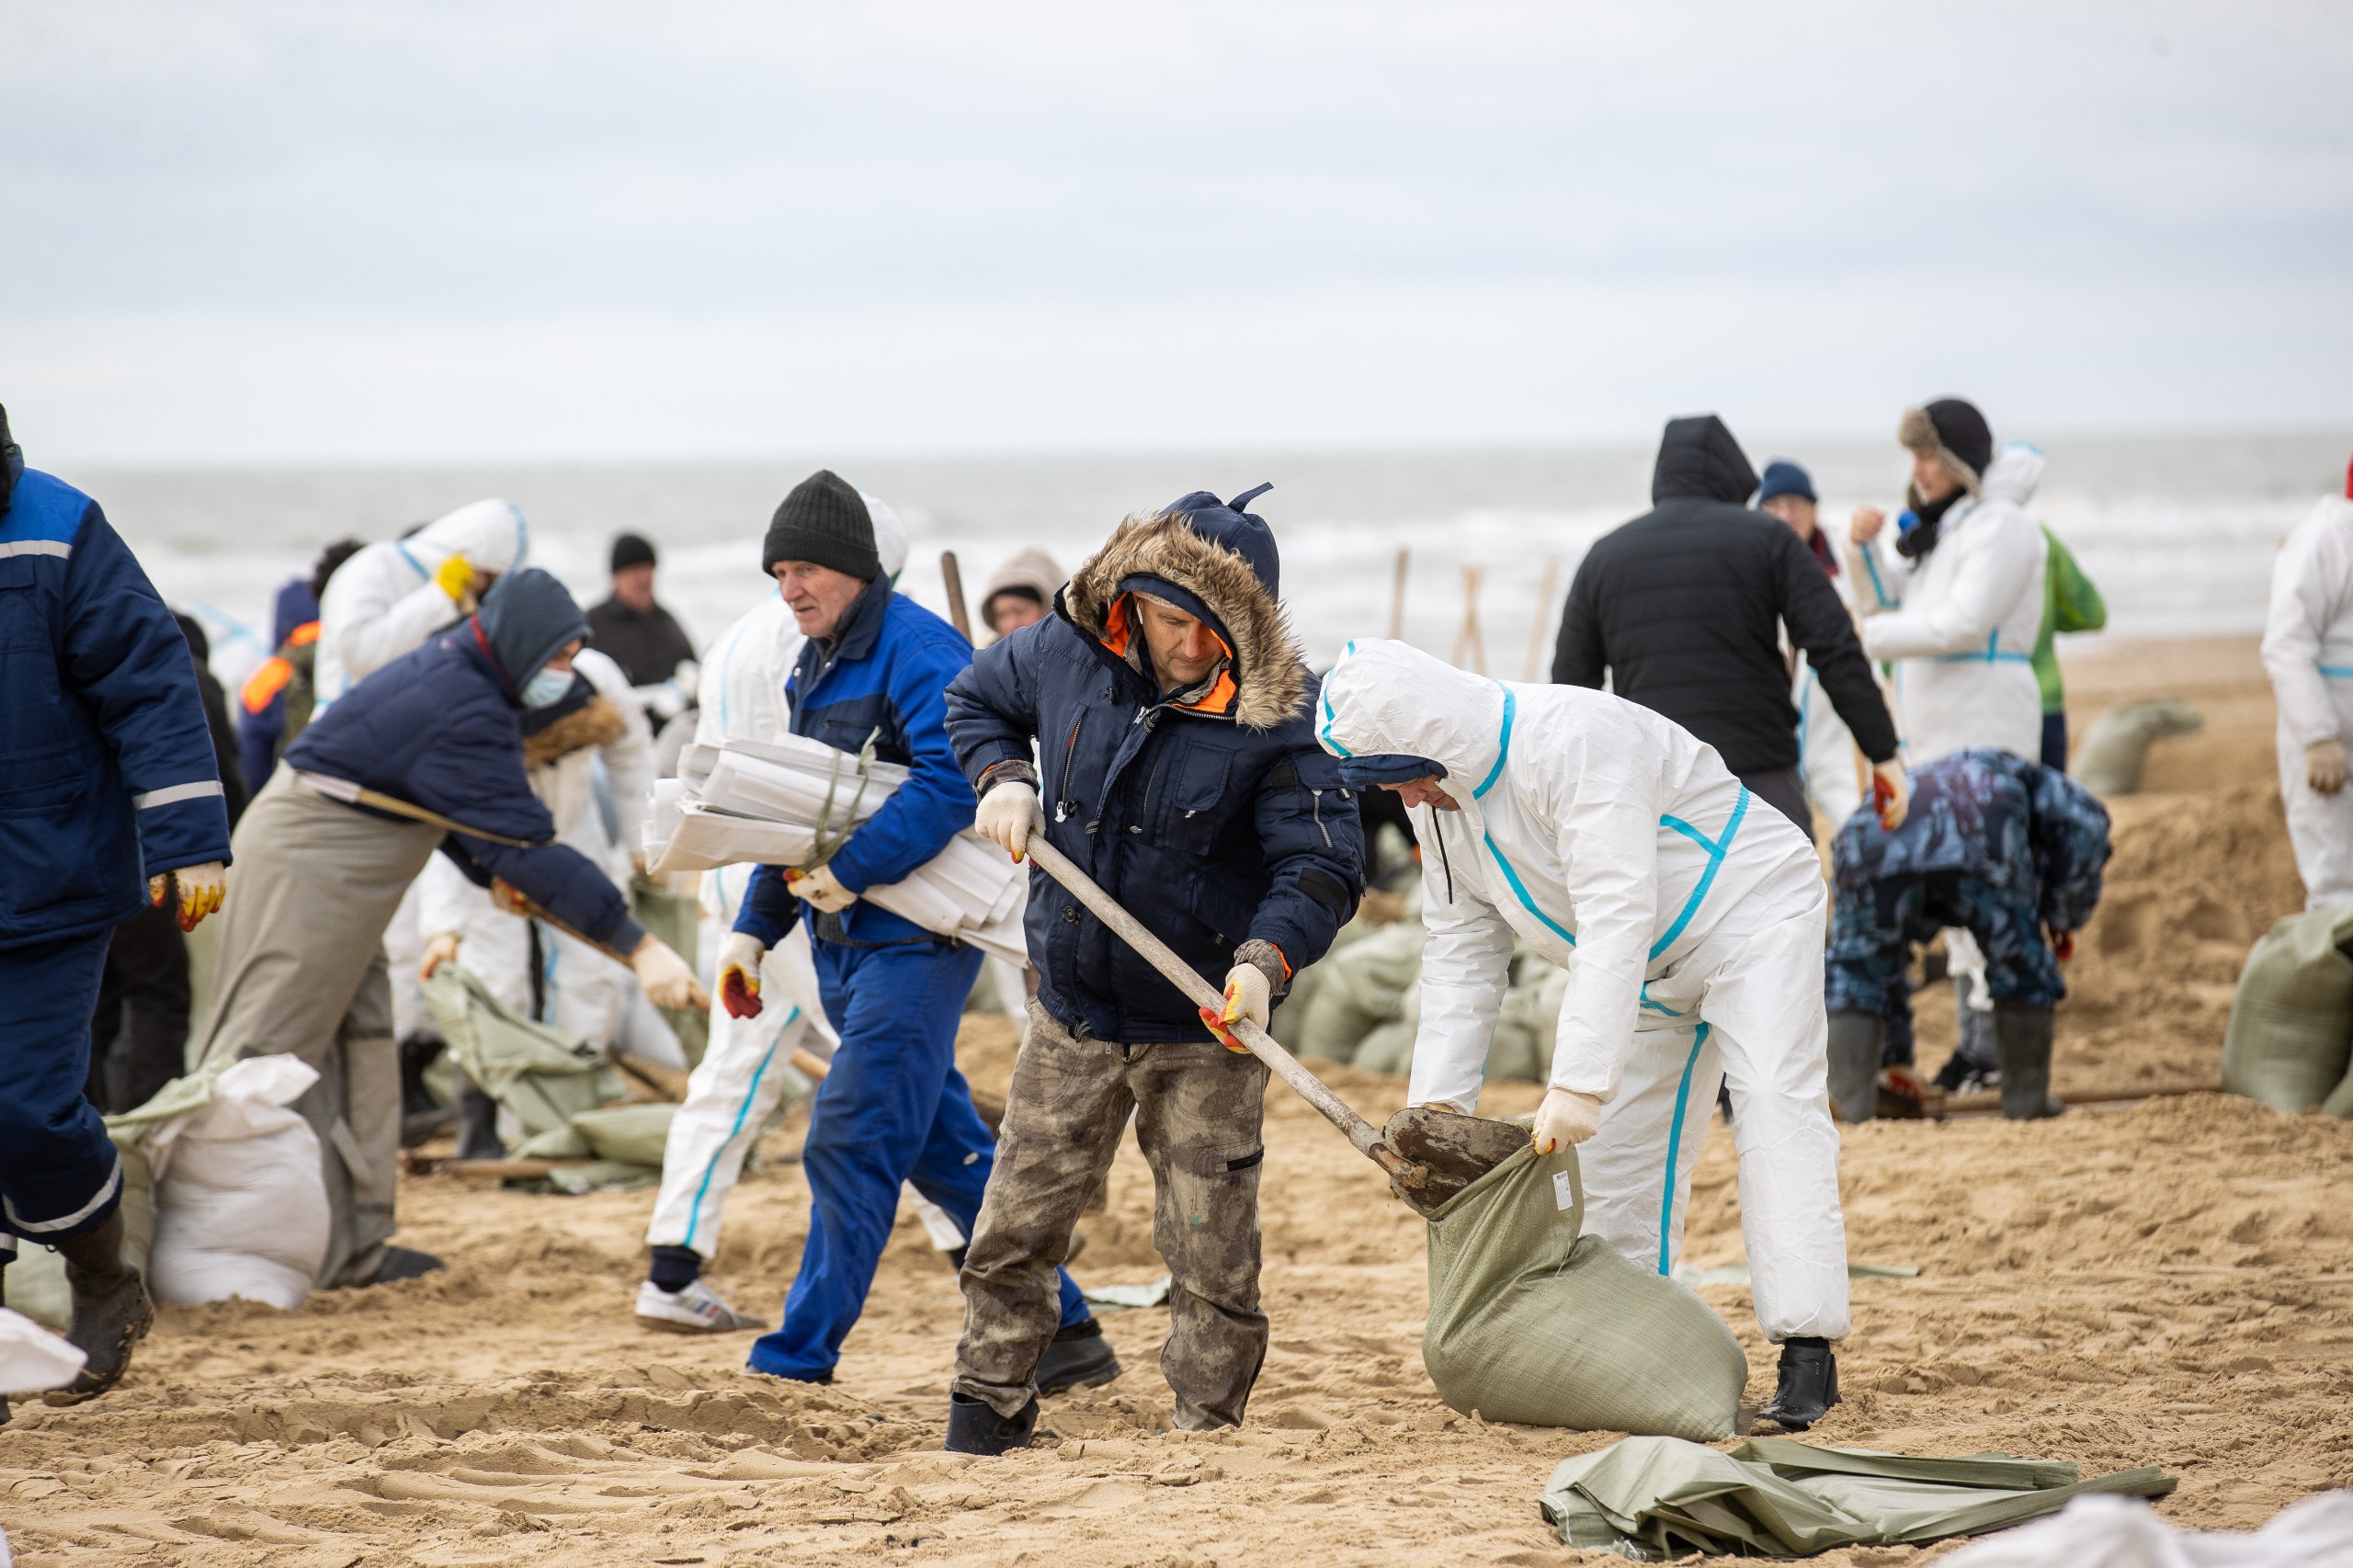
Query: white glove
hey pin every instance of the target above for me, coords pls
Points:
(739, 974)
(2324, 766)
(823, 890)
(667, 980)
(1891, 792)
(1007, 815)
(201, 889)
(1565, 1116)
(443, 949)
(1248, 996)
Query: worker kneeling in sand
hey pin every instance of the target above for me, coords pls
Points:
(425, 754)
(1691, 923)
(2001, 848)
(1168, 703)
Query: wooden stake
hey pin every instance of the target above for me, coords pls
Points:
(1469, 644)
(953, 576)
(1397, 599)
(1544, 617)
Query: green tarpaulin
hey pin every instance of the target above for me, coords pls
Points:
(1651, 1499)
(544, 1077)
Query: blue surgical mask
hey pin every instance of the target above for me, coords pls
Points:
(546, 688)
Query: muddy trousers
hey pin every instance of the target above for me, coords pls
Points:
(1198, 1109)
(59, 1175)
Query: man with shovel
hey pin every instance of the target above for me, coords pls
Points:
(1690, 921)
(1168, 704)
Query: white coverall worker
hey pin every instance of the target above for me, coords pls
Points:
(583, 993)
(1828, 759)
(1689, 917)
(746, 1071)
(1961, 624)
(2308, 652)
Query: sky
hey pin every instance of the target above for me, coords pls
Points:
(251, 233)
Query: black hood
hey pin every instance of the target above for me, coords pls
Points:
(1698, 458)
(12, 462)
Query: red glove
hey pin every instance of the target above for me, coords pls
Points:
(2063, 943)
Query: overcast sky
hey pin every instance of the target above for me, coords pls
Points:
(264, 233)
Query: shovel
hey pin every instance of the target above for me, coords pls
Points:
(1429, 1155)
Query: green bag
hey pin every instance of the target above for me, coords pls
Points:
(676, 918)
(635, 1135)
(1361, 988)
(1530, 1322)
(2291, 1035)
(1655, 1498)
(544, 1077)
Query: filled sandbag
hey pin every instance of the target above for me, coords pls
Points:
(1529, 1022)
(2109, 759)
(240, 1207)
(1360, 989)
(1530, 1322)
(2290, 1036)
(33, 1358)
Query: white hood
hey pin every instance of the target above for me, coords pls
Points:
(1387, 698)
(490, 534)
(2014, 474)
(890, 536)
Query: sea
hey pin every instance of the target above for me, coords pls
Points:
(1467, 553)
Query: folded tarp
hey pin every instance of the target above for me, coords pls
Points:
(784, 803)
(1653, 1499)
(543, 1076)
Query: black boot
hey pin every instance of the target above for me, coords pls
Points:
(975, 1428)
(2022, 1046)
(1856, 1041)
(1077, 1357)
(478, 1126)
(111, 1311)
(1808, 1385)
(422, 1116)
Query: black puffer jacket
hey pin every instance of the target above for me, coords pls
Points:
(1683, 606)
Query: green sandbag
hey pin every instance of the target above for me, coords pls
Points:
(1529, 1022)
(1530, 1323)
(1651, 1499)
(1361, 989)
(634, 1134)
(676, 918)
(2291, 1022)
(546, 1078)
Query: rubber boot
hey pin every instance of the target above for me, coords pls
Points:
(975, 1428)
(1808, 1385)
(478, 1126)
(1856, 1041)
(112, 1311)
(2022, 1046)
(1077, 1358)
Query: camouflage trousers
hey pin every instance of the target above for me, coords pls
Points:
(1198, 1109)
(1872, 931)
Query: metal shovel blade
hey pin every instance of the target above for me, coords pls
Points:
(1447, 1151)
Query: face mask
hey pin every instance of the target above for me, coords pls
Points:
(546, 688)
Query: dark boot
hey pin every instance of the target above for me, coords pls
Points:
(422, 1116)
(2022, 1046)
(975, 1428)
(478, 1126)
(1077, 1358)
(1808, 1385)
(111, 1311)
(1856, 1041)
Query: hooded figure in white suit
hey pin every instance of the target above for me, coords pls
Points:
(386, 600)
(2308, 652)
(1690, 921)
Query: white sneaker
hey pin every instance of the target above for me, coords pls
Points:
(698, 1308)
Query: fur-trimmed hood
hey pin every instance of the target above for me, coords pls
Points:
(595, 723)
(1205, 549)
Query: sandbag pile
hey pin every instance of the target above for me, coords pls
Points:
(2290, 1039)
(785, 802)
(1531, 1323)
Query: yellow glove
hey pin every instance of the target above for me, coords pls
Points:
(2324, 766)
(200, 891)
(456, 578)
(1565, 1116)
(443, 949)
(822, 889)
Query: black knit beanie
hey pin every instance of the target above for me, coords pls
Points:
(632, 550)
(824, 520)
(1954, 427)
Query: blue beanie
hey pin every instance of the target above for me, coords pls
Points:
(1783, 477)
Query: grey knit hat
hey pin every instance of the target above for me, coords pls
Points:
(825, 520)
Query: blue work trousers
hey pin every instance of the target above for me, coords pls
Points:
(892, 1109)
(59, 1176)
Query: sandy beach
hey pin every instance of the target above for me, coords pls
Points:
(2168, 1282)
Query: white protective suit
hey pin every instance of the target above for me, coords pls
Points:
(1828, 760)
(2308, 652)
(1689, 917)
(1961, 625)
(746, 1070)
(583, 993)
(383, 602)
